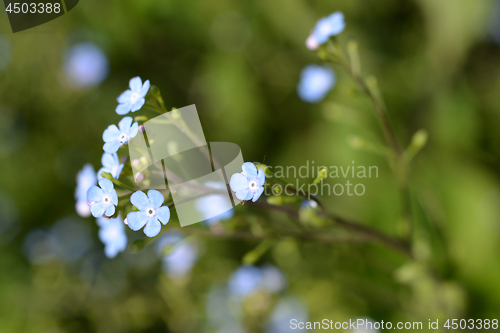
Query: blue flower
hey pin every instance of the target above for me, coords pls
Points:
(182, 256)
(86, 65)
(325, 28)
(245, 280)
(150, 211)
(133, 99)
(249, 184)
(102, 200)
(110, 164)
(115, 137)
(84, 180)
(315, 83)
(211, 205)
(248, 279)
(112, 235)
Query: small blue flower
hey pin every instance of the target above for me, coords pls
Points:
(182, 256)
(84, 180)
(115, 137)
(150, 211)
(133, 99)
(211, 205)
(102, 200)
(245, 280)
(327, 27)
(112, 235)
(315, 83)
(110, 164)
(249, 184)
(86, 65)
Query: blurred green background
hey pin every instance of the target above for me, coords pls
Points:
(438, 67)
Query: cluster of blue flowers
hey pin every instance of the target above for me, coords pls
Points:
(101, 200)
(317, 81)
(95, 195)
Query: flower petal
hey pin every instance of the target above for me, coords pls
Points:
(124, 97)
(133, 131)
(137, 105)
(261, 177)
(137, 220)
(238, 182)
(111, 147)
(110, 210)
(114, 197)
(257, 194)
(124, 108)
(135, 84)
(155, 198)
(125, 123)
(94, 194)
(152, 228)
(108, 160)
(97, 209)
(250, 170)
(145, 88)
(106, 185)
(249, 195)
(140, 200)
(163, 214)
(242, 195)
(101, 170)
(112, 133)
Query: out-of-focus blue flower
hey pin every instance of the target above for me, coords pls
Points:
(210, 205)
(68, 240)
(115, 137)
(308, 204)
(273, 279)
(325, 28)
(86, 65)
(133, 99)
(248, 279)
(315, 83)
(84, 180)
(112, 235)
(151, 212)
(286, 309)
(102, 200)
(249, 184)
(5, 52)
(180, 259)
(110, 164)
(245, 280)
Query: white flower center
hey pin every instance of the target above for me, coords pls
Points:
(107, 199)
(123, 138)
(135, 97)
(150, 212)
(253, 185)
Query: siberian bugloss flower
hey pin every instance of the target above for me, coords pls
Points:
(115, 137)
(249, 184)
(150, 214)
(102, 200)
(86, 65)
(315, 83)
(110, 164)
(325, 28)
(112, 235)
(84, 180)
(133, 99)
(180, 258)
